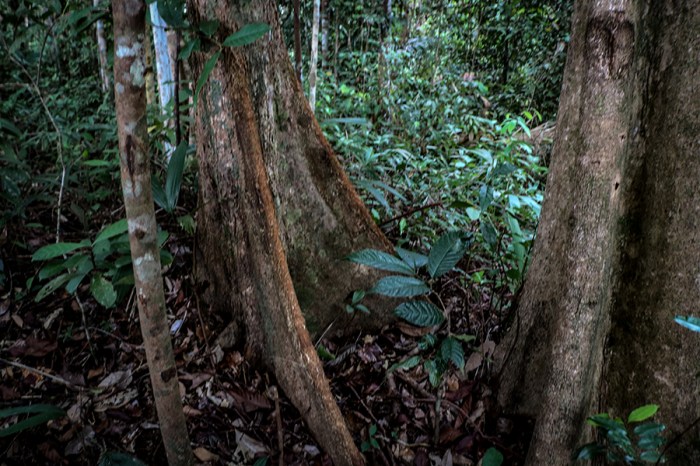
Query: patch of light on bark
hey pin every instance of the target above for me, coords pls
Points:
(138, 73)
(140, 264)
(125, 50)
(120, 88)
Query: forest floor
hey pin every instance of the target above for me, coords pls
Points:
(70, 352)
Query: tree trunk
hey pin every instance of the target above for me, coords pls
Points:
(164, 68)
(277, 215)
(130, 100)
(325, 20)
(102, 51)
(616, 255)
(314, 55)
(297, 40)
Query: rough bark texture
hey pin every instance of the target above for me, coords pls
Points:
(321, 218)
(617, 255)
(275, 206)
(130, 99)
(297, 40)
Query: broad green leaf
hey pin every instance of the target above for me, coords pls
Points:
(473, 213)
(413, 259)
(117, 458)
(52, 286)
(485, 197)
(173, 180)
(43, 413)
(159, 193)
(492, 457)
(261, 461)
(464, 338)
(103, 291)
(420, 313)
(246, 35)
(651, 442)
(451, 350)
(54, 268)
(689, 322)
(380, 260)
(488, 232)
(51, 251)
(447, 251)
(110, 231)
(76, 279)
(208, 27)
(649, 428)
(206, 71)
(503, 169)
(643, 413)
(406, 364)
(400, 287)
(172, 12)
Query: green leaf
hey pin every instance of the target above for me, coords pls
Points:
(206, 71)
(589, 451)
(651, 457)
(261, 461)
(52, 286)
(464, 338)
(649, 428)
(451, 350)
(447, 251)
(51, 251)
(159, 193)
(488, 232)
(172, 12)
(420, 313)
(117, 458)
(246, 35)
(43, 413)
(413, 259)
(400, 287)
(643, 413)
(189, 47)
(103, 291)
(324, 354)
(406, 364)
(380, 260)
(485, 197)
(433, 372)
(492, 457)
(208, 28)
(110, 231)
(690, 322)
(173, 180)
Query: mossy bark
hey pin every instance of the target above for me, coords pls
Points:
(618, 246)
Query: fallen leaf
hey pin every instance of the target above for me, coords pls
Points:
(205, 455)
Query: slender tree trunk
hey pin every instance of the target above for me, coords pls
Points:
(617, 251)
(130, 99)
(325, 20)
(314, 55)
(164, 68)
(277, 216)
(297, 41)
(148, 53)
(102, 51)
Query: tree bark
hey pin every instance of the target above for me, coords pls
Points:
(297, 40)
(164, 68)
(277, 216)
(616, 255)
(313, 71)
(102, 51)
(130, 99)
(321, 218)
